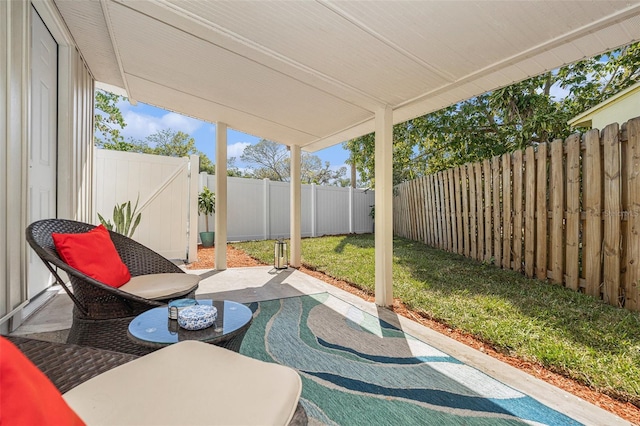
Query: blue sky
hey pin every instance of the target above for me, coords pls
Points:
(144, 120)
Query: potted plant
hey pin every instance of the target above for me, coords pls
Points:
(207, 206)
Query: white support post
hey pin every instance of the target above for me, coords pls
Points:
(352, 219)
(267, 208)
(296, 190)
(221, 197)
(314, 212)
(194, 186)
(384, 207)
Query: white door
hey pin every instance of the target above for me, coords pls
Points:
(42, 144)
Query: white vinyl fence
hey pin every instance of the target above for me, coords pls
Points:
(259, 209)
(166, 194)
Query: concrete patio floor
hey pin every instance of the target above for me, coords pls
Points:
(52, 319)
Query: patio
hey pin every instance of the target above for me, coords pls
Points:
(263, 283)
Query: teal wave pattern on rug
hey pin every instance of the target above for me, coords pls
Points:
(359, 370)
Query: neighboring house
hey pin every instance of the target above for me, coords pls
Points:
(617, 109)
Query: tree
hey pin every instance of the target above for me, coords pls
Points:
(108, 121)
(271, 160)
(170, 143)
(312, 170)
(501, 121)
(232, 168)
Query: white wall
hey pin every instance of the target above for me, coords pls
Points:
(75, 142)
(259, 209)
(14, 125)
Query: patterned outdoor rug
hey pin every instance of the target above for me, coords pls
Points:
(359, 370)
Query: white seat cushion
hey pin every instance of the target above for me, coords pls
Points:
(189, 383)
(160, 286)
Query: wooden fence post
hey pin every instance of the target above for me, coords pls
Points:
(612, 214)
(447, 210)
(541, 213)
(632, 284)
(473, 217)
(506, 211)
(497, 224)
(431, 238)
(464, 188)
(488, 232)
(480, 211)
(530, 215)
(452, 210)
(458, 196)
(442, 222)
(517, 211)
(592, 199)
(573, 213)
(556, 195)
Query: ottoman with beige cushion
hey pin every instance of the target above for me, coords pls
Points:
(189, 383)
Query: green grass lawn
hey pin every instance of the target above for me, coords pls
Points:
(567, 332)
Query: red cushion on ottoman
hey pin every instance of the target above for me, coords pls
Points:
(94, 254)
(27, 396)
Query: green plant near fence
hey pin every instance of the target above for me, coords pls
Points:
(206, 204)
(125, 219)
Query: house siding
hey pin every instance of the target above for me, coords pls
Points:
(14, 82)
(624, 109)
(75, 143)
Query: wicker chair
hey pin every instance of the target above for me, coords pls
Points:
(69, 365)
(101, 313)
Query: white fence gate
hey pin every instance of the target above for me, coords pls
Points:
(167, 197)
(259, 209)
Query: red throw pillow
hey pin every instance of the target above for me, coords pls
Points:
(27, 396)
(94, 254)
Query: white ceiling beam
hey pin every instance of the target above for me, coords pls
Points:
(114, 43)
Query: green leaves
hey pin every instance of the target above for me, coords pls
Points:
(505, 120)
(125, 220)
(108, 120)
(206, 204)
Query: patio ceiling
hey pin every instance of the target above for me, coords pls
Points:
(313, 73)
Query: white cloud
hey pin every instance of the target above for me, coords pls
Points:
(139, 126)
(236, 149)
(180, 122)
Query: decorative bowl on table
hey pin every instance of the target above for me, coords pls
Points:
(197, 317)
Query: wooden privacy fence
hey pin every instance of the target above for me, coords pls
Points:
(568, 211)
